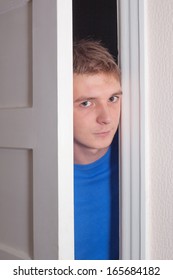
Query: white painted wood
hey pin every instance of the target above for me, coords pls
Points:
(17, 127)
(144, 121)
(16, 132)
(16, 70)
(45, 187)
(65, 130)
(16, 202)
(9, 5)
(125, 191)
(28, 138)
(133, 129)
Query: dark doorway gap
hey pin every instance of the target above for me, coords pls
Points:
(96, 19)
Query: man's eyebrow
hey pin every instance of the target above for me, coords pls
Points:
(83, 98)
(117, 93)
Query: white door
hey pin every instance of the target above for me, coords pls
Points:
(29, 132)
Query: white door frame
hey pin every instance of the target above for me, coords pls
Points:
(133, 160)
(65, 130)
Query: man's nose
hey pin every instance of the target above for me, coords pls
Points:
(104, 116)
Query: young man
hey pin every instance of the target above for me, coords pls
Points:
(97, 102)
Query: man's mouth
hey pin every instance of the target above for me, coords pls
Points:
(103, 133)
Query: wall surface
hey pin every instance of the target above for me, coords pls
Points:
(160, 101)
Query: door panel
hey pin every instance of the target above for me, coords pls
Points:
(28, 130)
(16, 200)
(16, 55)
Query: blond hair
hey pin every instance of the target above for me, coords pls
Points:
(90, 57)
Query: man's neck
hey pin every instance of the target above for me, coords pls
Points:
(87, 155)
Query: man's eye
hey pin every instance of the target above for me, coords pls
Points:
(113, 99)
(85, 103)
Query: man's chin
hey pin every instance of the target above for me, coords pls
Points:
(103, 146)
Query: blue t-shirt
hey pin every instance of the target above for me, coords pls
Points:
(96, 206)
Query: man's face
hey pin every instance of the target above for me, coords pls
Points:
(97, 101)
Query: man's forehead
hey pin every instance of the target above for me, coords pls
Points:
(94, 86)
(100, 79)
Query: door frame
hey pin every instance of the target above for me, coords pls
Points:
(134, 138)
(65, 130)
